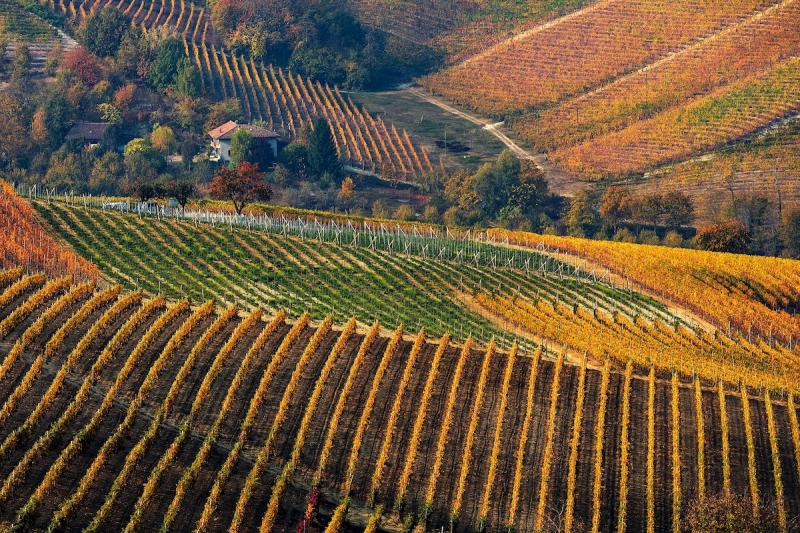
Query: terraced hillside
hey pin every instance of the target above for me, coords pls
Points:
(766, 164)
(18, 25)
(143, 414)
(623, 87)
(286, 101)
(273, 271)
(459, 28)
(187, 18)
(548, 304)
(583, 50)
(754, 295)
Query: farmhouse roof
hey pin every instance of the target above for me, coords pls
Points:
(90, 131)
(227, 130)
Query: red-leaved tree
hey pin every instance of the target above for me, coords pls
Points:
(241, 185)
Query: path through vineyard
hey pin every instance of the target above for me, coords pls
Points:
(559, 180)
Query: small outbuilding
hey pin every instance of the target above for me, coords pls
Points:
(265, 141)
(89, 133)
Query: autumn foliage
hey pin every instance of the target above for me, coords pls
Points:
(241, 185)
(24, 242)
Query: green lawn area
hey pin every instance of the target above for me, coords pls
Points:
(428, 124)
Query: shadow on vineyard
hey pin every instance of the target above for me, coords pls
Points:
(122, 410)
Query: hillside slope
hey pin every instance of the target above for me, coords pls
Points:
(286, 101)
(397, 280)
(620, 88)
(126, 432)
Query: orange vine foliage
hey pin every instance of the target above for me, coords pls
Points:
(24, 242)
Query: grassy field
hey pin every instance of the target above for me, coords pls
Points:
(431, 124)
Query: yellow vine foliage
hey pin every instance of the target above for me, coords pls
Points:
(40, 446)
(19, 287)
(600, 429)
(675, 410)
(441, 442)
(511, 358)
(795, 428)
(651, 450)
(35, 329)
(776, 462)
(751, 452)
(622, 515)
(51, 288)
(338, 517)
(10, 275)
(383, 455)
(572, 469)
(256, 471)
(726, 447)
(466, 457)
(377, 379)
(419, 422)
(166, 459)
(547, 458)
(131, 459)
(74, 446)
(333, 425)
(280, 485)
(701, 441)
(25, 384)
(694, 279)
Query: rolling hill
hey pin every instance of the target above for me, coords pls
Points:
(619, 89)
(105, 424)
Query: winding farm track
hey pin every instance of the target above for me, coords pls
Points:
(559, 180)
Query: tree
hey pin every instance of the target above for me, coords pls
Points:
(143, 164)
(730, 236)
(181, 190)
(106, 174)
(109, 113)
(322, 155)
(103, 31)
(65, 172)
(39, 133)
(404, 212)
(187, 80)
(21, 64)
(295, 158)
(241, 147)
(84, 66)
(163, 139)
(13, 138)
(241, 185)
(494, 182)
(222, 112)
(677, 209)
(57, 117)
(615, 206)
(581, 215)
(165, 66)
(791, 234)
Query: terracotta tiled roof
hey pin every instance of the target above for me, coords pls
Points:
(227, 130)
(219, 131)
